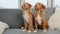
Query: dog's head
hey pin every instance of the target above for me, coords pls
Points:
(39, 6)
(26, 6)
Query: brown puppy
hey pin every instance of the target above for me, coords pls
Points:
(28, 17)
(40, 17)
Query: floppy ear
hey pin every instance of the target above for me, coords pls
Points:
(43, 8)
(35, 7)
(30, 5)
(21, 6)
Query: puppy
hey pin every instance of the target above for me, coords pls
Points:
(28, 17)
(40, 19)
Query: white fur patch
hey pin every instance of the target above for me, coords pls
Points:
(26, 16)
(38, 18)
(44, 30)
(29, 31)
(24, 30)
(35, 30)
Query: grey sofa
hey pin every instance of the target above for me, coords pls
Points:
(13, 17)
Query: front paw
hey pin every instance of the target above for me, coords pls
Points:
(24, 30)
(44, 30)
(29, 31)
(22, 27)
(35, 30)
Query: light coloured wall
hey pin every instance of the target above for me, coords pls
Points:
(20, 2)
(16, 3)
(49, 3)
(9, 3)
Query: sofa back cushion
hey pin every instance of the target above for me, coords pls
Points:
(14, 18)
(49, 12)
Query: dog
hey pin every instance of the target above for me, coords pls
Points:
(40, 20)
(28, 16)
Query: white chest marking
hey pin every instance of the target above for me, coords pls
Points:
(26, 17)
(38, 18)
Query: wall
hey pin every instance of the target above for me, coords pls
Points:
(9, 3)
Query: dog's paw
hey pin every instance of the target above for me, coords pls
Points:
(35, 30)
(44, 30)
(22, 27)
(32, 28)
(24, 30)
(29, 31)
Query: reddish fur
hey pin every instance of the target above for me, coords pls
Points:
(40, 8)
(26, 25)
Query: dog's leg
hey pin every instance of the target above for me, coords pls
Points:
(30, 25)
(44, 25)
(47, 26)
(43, 22)
(25, 26)
(36, 26)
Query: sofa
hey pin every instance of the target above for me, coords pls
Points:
(13, 17)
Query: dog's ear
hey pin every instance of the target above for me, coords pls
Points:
(30, 5)
(22, 6)
(43, 7)
(35, 7)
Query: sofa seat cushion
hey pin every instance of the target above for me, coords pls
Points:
(19, 31)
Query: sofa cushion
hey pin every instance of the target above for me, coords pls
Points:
(19, 31)
(49, 12)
